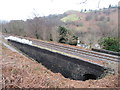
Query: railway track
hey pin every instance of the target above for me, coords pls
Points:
(92, 55)
(78, 52)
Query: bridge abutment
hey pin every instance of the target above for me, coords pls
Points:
(69, 67)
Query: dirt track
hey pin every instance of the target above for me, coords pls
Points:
(22, 72)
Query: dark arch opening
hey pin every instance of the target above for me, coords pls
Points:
(89, 76)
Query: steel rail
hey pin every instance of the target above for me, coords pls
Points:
(79, 51)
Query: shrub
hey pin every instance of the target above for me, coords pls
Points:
(110, 43)
(81, 24)
(102, 18)
(66, 36)
(88, 18)
(62, 34)
(108, 19)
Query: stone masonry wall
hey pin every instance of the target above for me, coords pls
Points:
(69, 67)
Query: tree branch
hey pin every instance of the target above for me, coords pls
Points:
(99, 3)
(83, 2)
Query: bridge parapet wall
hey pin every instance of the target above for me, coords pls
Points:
(69, 67)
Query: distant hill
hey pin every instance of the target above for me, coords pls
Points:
(70, 18)
(91, 19)
(89, 26)
(92, 25)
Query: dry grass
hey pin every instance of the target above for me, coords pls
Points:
(22, 72)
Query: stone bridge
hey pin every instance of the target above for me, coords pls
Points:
(69, 67)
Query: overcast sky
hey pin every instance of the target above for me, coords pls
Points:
(23, 9)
